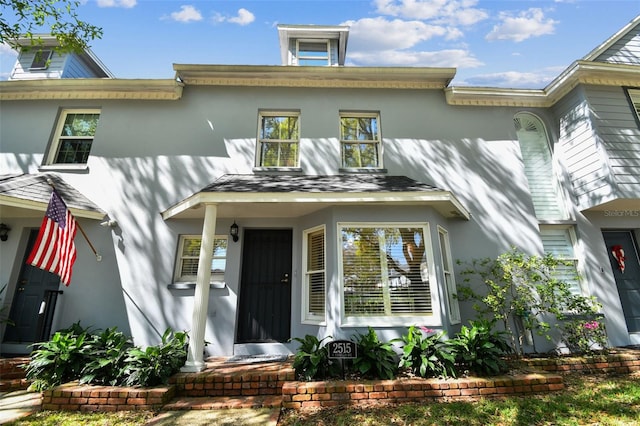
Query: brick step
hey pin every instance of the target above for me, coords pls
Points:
(223, 402)
(8, 385)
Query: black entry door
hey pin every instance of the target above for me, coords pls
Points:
(265, 286)
(627, 280)
(28, 308)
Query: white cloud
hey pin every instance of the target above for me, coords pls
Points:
(527, 24)
(376, 34)
(127, 4)
(452, 12)
(244, 17)
(187, 14)
(455, 58)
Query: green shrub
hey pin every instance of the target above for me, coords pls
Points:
(155, 364)
(480, 350)
(583, 336)
(58, 360)
(106, 353)
(311, 361)
(375, 359)
(426, 354)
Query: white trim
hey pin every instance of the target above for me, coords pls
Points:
(433, 320)
(260, 141)
(177, 278)
(306, 316)
(450, 288)
(378, 141)
(54, 146)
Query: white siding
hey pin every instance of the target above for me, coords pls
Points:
(624, 51)
(21, 69)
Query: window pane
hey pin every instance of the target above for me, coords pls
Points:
(80, 125)
(279, 128)
(360, 155)
(385, 272)
(359, 128)
(73, 151)
(75, 139)
(189, 258)
(279, 137)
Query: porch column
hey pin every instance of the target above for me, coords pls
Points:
(195, 361)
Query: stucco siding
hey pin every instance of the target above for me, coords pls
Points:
(625, 51)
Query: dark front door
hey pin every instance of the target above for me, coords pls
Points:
(28, 309)
(627, 280)
(265, 286)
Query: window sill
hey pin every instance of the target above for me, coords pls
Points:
(69, 168)
(192, 286)
(277, 169)
(362, 171)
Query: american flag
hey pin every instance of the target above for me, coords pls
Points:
(54, 250)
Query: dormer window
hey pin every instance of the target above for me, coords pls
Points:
(313, 52)
(41, 60)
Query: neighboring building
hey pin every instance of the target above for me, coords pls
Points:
(353, 191)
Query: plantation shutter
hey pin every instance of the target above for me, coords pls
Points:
(558, 241)
(538, 167)
(378, 279)
(316, 273)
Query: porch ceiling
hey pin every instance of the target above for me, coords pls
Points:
(27, 195)
(245, 196)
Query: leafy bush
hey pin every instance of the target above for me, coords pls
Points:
(426, 354)
(59, 360)
(583, 336)
(109, 357)
(155, 364)
(311, 361)
(480, 350)
(106, 353)
(375, 358)
(521, 290)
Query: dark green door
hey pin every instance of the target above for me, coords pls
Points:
(627, 280)
(264, 312)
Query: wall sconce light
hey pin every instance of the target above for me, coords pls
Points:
(233, 231)
(4, 232)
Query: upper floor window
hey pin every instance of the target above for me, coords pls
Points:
(278, 139)
(360, 140)
(189, 254)
(73, 137)
(634, 95)
(386, 274)
(313, 52)
(538, 167)
(41, 59)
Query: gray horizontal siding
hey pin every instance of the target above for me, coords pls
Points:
(617, 128)
(75, 68)
(21, 69)
(624, 51)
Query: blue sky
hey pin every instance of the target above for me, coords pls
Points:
(507, 43)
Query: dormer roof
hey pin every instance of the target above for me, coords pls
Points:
(286, 33)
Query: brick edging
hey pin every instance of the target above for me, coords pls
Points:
(611, 363)
(300, 395)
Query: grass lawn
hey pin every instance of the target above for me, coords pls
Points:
(587, 400)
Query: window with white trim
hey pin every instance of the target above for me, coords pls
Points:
(278, 139)
(360, 140)
(313, 52)
(188, 257)
(449, 279)
(560, 240)
(74, 136)
(41, 59)
(634, 95)
(385, 272)
(314, 290)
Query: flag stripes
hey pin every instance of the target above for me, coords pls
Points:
(54, 249)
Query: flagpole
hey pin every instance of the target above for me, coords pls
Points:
(84, 234)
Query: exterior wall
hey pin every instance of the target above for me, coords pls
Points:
(625, 51)
(21, 68)
(148, 155)
(76, 68)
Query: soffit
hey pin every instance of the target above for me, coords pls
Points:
(330, 77)
(90, 88)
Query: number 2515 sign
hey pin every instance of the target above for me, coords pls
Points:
(344, 349)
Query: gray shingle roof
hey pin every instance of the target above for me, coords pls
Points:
(35, 187)
(320, 184)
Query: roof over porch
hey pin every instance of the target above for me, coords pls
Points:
(295, 195)
(27, 195)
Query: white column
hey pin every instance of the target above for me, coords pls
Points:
(195, 361)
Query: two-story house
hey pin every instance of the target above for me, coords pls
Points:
(252, 204)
